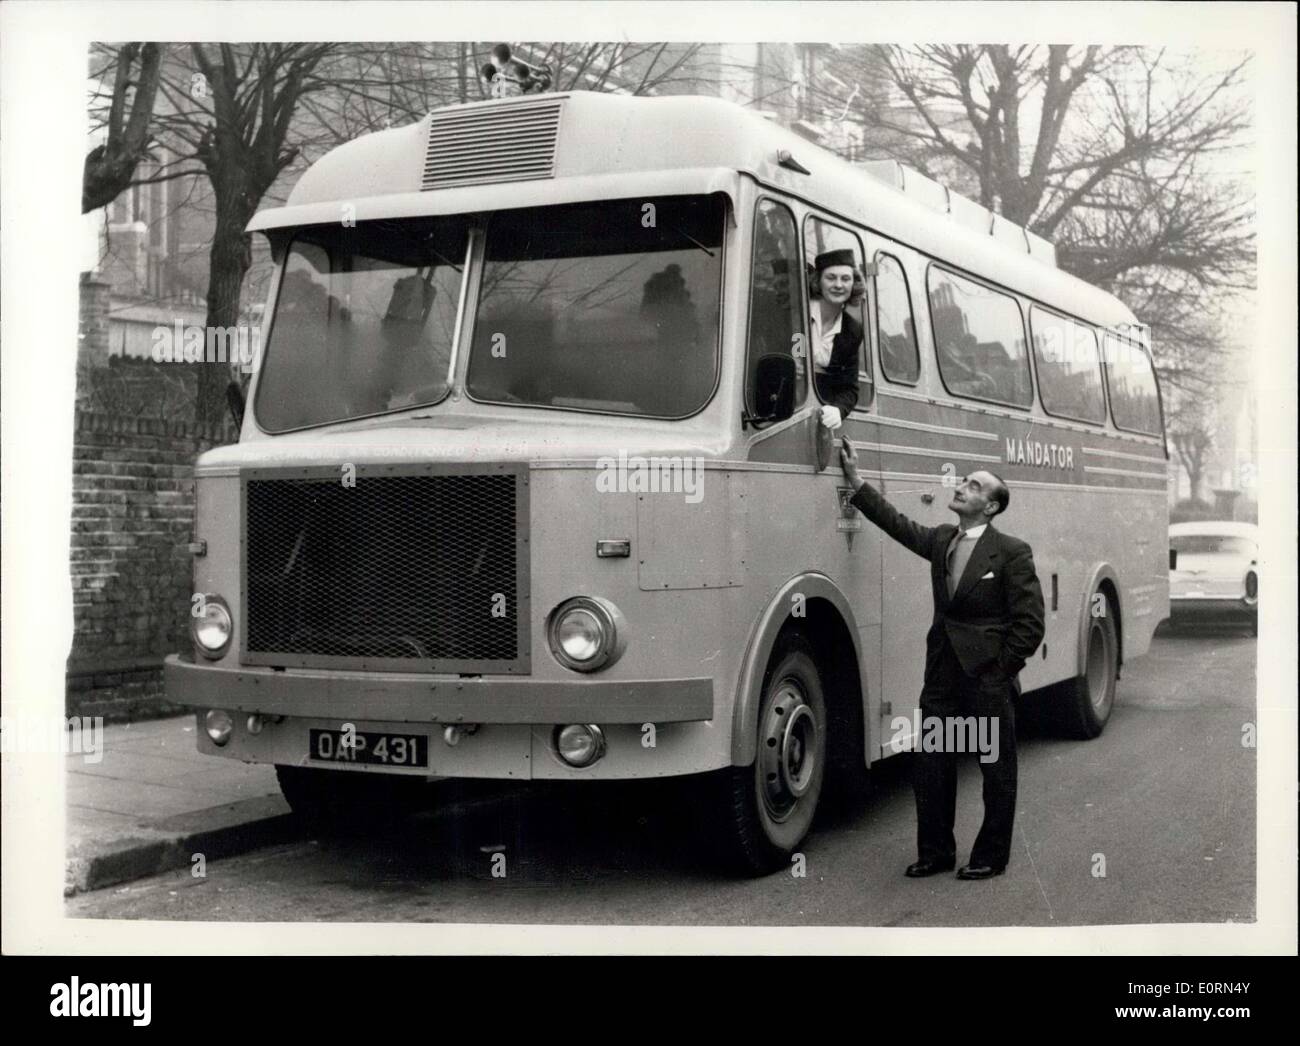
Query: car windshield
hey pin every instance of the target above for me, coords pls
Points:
(608, 306)
(1226, 544)
(363, 321)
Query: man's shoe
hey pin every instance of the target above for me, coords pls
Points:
(979, 871)
(923, 868)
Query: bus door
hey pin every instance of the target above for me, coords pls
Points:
(913, 464)
(854, 556)
(812, 527)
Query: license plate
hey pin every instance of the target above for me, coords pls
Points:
(340, 746)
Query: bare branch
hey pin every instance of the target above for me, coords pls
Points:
(110, 166)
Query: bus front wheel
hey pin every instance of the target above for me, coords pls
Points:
(1090, 697)
(767, 808)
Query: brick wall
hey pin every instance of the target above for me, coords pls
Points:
(132, 518)
(138, 388)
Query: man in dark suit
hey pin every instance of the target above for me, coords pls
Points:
(988, 621)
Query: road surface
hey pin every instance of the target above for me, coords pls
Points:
(1152, 822)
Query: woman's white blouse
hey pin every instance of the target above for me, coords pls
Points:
(823, 341)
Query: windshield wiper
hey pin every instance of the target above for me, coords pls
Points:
(688, 236)
(443, 258)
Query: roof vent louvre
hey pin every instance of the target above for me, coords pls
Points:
(510, 141)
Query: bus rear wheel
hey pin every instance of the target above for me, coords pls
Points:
(344, 802)
(1090, 697)
(767, 808)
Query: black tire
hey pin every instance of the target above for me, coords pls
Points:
(849, 784)
(345, 802)
(1089, 699)
(762, 812)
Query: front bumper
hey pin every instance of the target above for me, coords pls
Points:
(394, 697)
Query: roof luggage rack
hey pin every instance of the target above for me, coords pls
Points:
(962, 210)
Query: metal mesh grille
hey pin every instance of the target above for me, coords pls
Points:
(397, 571)
(508, 142)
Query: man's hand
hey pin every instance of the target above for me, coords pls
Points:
(849, 460)
(1024, 610)
(913, 536)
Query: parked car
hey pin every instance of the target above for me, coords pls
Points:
(1215, 573)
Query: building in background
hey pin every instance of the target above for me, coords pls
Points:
(142, 255)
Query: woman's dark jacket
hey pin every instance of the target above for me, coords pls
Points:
(838, 384)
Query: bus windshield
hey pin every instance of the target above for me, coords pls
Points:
(363, 321)
(609, 306)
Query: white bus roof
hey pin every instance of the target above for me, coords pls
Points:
(565, 147)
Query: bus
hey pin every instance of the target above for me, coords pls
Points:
(532, 483)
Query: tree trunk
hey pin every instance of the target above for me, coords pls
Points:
(230, 259)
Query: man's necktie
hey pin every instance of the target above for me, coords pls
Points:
(958, 556)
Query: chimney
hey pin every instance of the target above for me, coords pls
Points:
(93, 347)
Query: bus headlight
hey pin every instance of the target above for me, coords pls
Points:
(1252, 587)
(211, 630)
(587, 633)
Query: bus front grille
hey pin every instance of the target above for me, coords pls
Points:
(387, 568)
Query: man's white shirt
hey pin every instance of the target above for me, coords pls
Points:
(955, 561)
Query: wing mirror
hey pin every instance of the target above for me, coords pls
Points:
(235, 403)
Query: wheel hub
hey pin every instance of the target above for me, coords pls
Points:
(1099, 673)
(787, 749)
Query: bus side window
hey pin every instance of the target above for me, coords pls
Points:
(776, 322)
(818, 237)
(896, 328)
(1069, 367)
(979, 339)
(1134, 397)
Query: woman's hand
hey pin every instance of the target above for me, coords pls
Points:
(849, 461)
(831, 417)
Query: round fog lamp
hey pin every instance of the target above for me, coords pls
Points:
(580, 744)
(218, 725)
(212, 628)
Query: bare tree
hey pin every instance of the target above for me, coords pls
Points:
(373, 86)
(1190, 426)
(233, 112)
(111, 165)
(1101, 149)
